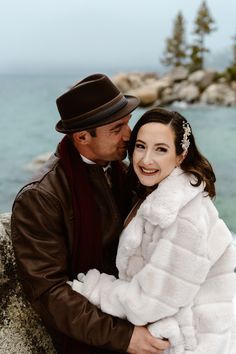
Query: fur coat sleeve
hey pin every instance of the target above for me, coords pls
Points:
(175, 254)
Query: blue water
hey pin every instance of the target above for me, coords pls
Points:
(28, 115)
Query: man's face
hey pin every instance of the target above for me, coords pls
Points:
(110, 142)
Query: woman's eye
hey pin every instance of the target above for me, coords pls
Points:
(139, 146)
(161, 149)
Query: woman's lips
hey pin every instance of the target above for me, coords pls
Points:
(148, 172)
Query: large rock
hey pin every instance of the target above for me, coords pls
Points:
(233, 85)
(202, 78)
(219, 94)
(169, 96)
(21, 330)
(152, 91)
(135, 80)
(131, 81)
(178, 85)
(147, 95)
(189, 93)
(36, 163)
(161, 84)
(178, 73)
(122, 82)
(180, 91)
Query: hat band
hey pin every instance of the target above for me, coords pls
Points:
(73, 123)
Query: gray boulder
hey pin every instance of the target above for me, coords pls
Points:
(122, 82)
(178, 73)
(36, 163)
(21, 330)
(189, 93)
(147, 94)
(233, 85)
(133, 80)
(202, 78)
(219, 93)
(169, 96)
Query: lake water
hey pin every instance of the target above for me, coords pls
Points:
(28, 115)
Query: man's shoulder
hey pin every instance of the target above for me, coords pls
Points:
(49, 179)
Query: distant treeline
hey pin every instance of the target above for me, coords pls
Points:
(180, 53)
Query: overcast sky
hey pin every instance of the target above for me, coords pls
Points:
(60, 36)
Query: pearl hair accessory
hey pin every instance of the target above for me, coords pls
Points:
(185, 141)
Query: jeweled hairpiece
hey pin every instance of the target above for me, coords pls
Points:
(185, 141)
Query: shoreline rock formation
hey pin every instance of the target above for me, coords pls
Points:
(21, 330)
(178, 85)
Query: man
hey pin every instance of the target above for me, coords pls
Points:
(68, 220)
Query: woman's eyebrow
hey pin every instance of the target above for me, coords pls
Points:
(140, 141)
(157, 144)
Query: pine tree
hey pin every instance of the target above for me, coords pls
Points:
(234, 51)
(204, 25)
(195, 58)
(175, 51)
(231, 70)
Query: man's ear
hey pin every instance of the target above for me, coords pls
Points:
(82, 138)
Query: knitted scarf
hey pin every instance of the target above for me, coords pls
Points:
(87, 240)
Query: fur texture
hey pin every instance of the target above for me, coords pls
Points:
(176, 270)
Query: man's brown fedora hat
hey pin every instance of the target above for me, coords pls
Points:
(92, 102)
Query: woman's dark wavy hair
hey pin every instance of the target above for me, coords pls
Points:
(194, 163)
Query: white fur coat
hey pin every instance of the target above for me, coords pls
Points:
(176, 270)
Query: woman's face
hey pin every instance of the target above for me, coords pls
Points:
(154, 156)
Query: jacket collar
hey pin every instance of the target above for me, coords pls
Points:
(162, 206)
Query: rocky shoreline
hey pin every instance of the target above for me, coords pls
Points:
(178, 85)
(21, 329)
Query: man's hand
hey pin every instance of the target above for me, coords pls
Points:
(142, 342)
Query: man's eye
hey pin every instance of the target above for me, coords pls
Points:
(116, 131)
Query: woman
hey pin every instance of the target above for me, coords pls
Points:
(175, 258)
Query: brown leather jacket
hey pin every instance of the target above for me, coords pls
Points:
(42, 229)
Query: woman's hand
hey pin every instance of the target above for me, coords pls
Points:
(142, 342)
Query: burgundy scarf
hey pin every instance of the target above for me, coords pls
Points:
(87, 238)
(87, 241)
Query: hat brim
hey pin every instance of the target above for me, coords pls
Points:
(133, 103)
